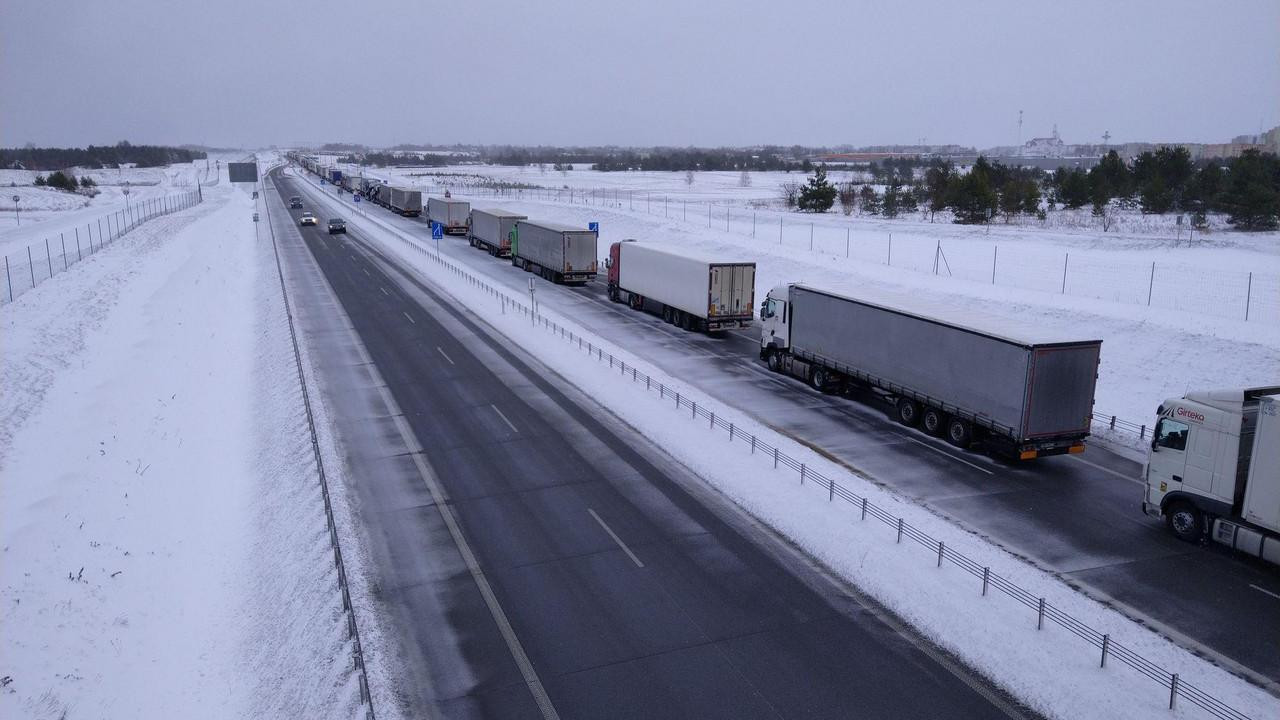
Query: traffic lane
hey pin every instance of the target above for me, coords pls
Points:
(419, 581)
(1069, 513)
(644, 622)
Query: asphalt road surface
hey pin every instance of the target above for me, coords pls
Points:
(1076, 516)
(535, 557)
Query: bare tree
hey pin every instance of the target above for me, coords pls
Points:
(848, 198)
(790, 192)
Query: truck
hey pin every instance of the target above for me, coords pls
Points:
(689, 289)
(559, 253)
(351, 183)
(1214, 468)
(334, 176)
(491, 230)
(1015, 390)
(454, 215)
(404, 201)
(367, 185)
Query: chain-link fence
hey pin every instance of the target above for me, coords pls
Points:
(26, 268)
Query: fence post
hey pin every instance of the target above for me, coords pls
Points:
(864, 508)
(9, 280)
(31, 265)
(48, 256)
(779, 230)
(846, 242)
(79, 256)
(753, 444)
(1173, 690)
(775, 450)
(63, 237)
(753, 223)
(889, 259)
(831, 489)
(1040, 616)
(99, 228)
(995, 250)
(986, 578)
(1065, 258)
(730, 432)
(941, 547)
(899, 530)
(708, 213)
(1106, 645)
(1248, 295)
(1152, 283)
(802, 471)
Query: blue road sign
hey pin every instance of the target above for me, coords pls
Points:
(593, 227)
(437, 231)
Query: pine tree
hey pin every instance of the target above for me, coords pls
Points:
(870, 200)
(971, 197)
(817, 195)
(1252, 195)
(892, 198)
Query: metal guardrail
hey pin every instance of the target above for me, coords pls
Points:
(353, 630)
(110, 228)
(1045, 611)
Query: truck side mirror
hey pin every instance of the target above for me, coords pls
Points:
(1155, 445)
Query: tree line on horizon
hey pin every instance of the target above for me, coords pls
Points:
(1246, 189)
(96, 156)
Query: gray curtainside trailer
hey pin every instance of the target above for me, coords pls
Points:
(404, 201)
(1017, 390)
(492, 229)
(453, 215)
(559, 253)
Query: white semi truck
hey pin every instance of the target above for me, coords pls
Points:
(687, 288)
(1214, 468)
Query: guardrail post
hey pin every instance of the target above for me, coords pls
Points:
(753, 444)
(941, 548)
(1040, 616)
(694, 412)
(986, 578)
(1142, 432)
(775, 450)
(1113, 422)
(864, 508)
(730, 432)
(899, 530)
(831, 489)
(1173, 690)
(802, 470)
(1106, 645)
(712, 423)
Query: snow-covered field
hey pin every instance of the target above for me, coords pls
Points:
(44, 212)
(165, 552)
(1051, 670)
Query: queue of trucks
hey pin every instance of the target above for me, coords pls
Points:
(1014, 390)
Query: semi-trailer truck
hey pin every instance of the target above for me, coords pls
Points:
(559, 253)
(335, 176)
(687, 288)
(1018, 391)
(1214, 468)
(404, 201)
(453, 215)
(492, 229)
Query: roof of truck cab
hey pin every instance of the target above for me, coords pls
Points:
(962, 316)
(690, 253)
(554, 227)
(497, 212)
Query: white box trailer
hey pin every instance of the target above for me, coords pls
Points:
(1214, 468)
(559, 253)
(491, 230)
(1019, 389)
(693, 290)
(452, 214)
(404, 201)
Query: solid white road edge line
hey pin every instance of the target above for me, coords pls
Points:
(922, 443)
(616, 539)
(1109, 471)
(1265, 591)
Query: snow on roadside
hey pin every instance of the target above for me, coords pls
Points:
(164, 544)
(1051, 670)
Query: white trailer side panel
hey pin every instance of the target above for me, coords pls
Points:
(494, 227)
(672, 279)
(562, 248)
(453, 214)
(1262, 493)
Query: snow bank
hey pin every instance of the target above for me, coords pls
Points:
(1051, 670)
(164, 551)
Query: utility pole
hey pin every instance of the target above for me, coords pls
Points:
(16, 198)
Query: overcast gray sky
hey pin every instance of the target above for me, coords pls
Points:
(637, 72)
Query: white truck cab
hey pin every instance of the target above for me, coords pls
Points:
(774, 318)
(1214, 467)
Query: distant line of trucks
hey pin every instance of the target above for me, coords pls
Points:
(1015, 390)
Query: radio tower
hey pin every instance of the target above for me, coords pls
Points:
(1019, 128)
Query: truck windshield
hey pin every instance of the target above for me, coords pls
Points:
(1171, 434)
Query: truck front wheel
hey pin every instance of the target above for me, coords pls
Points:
(1185, 521)
(774, 361)
(908, 412)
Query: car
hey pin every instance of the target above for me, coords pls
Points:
(307, 219)
(295, 203)
(337, 225)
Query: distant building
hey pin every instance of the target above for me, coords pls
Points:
(1044, 147)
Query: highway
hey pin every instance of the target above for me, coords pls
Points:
(534, 557)
(1077, 516)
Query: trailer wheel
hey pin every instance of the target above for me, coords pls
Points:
(1185, 521)
(819, 379)
(959, 433)
(934, 421)
(637, 302)
(908, 411)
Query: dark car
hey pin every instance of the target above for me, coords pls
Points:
(295, 203)
(337, 225)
